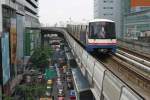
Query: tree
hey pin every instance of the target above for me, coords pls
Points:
(30, 92)
(40, 57)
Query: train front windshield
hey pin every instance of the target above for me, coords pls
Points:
(102, 30)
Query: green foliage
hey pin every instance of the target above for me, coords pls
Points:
(5, 97)
(27, 44)
(32, 91)
(40, 57)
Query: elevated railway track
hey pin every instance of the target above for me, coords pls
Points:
(99, 77)
(133, 71)
(140, 50)
(135, 57)
(117, 77)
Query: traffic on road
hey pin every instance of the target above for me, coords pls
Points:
(60, 87)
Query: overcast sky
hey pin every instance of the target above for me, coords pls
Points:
(52, 11)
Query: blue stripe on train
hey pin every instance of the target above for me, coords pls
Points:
(90, 48)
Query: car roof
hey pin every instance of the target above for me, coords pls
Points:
(72, 93)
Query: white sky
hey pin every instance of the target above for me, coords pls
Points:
(52, 11)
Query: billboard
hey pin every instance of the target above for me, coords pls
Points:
(143, 3)
(20, 29)
(13, 40)
(5, 57)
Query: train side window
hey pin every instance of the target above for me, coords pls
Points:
(91, 30)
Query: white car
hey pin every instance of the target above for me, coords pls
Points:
(61, 93)
(48, 93)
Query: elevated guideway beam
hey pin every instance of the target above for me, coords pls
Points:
(104, 84)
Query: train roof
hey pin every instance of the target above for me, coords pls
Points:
(101, 20)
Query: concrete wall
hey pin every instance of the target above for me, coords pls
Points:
(9, 3)
(30, 6)
(135, 46)
(31, 20)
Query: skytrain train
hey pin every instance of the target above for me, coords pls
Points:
(97, 35)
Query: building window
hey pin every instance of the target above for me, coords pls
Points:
(108, 14)
(108, 1)
(32, 4)
(107, 7)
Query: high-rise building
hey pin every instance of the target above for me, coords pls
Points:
(31, 13)
(15, 16)
(109, 9)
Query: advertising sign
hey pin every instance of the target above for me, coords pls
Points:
(5, 58)
(13, 40)
(143, 3)
(20, 29)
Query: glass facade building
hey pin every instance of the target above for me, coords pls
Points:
(136, 19)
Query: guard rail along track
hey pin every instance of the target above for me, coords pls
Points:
(135, 53)
(140, 60)
(138, 65)
(128, 69)
(104, 84)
